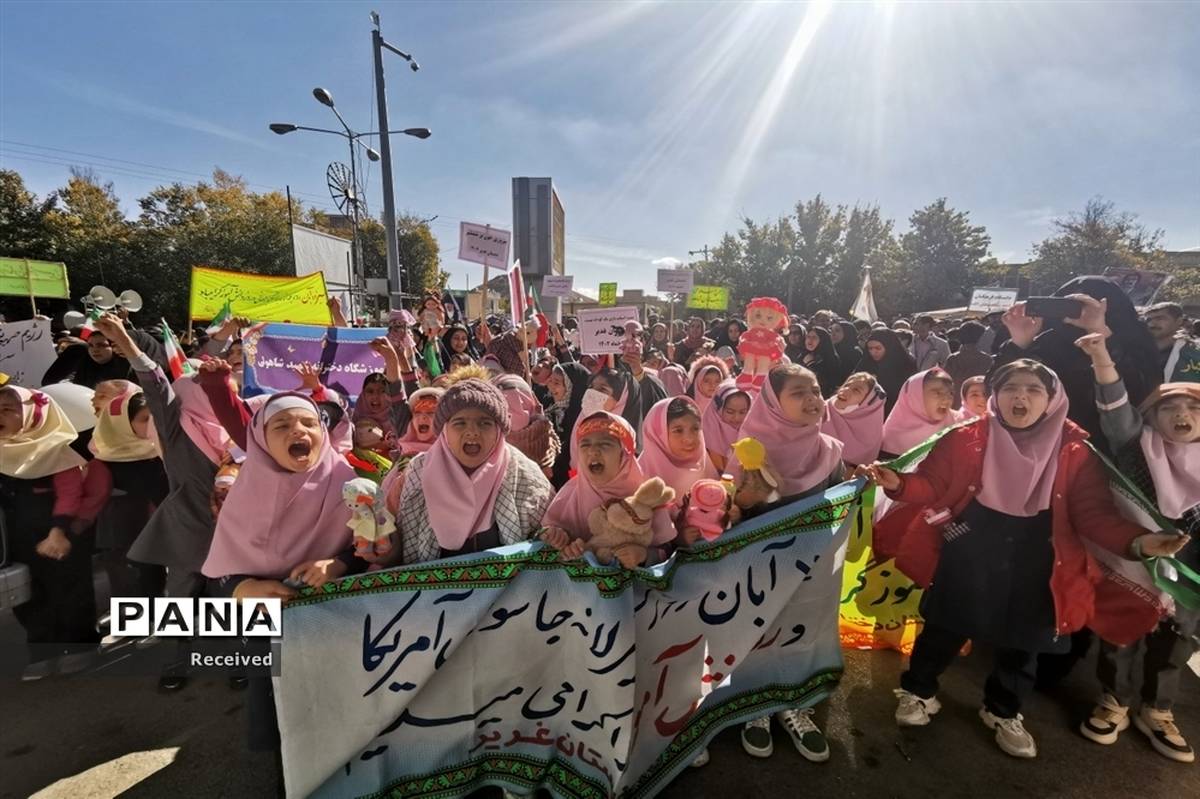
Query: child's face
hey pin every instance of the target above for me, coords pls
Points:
(600, 458)
(423, 426)
(708, 382)
(374, 396)
(1022, 400)
(853, 392)
(734, 411)
(234, 358)
(557, 386)
(1177, 419)
(141, 423)
(472, 436)
(800, 401)
(600, 384)
(294, 439)
(976, 399)
(683, 437)
(939, 399)
(12, 415)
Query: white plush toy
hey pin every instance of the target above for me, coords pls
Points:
(371, 522)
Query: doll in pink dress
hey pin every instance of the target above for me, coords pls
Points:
(761, 346)
(631, 344)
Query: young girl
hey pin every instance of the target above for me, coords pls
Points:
(926, 405)
(283, 519)
(974, 396)
(471, 490)
(999, 550)
(530, 430)
(383, 393)
(608, 470)
(786, 419)
(707, 372)
(821, 358)
(41, 488)
(675, 448)
(1158, 449)
(854, 416)
(722, 420)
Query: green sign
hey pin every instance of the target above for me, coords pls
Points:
(27, 278)
(709, 298)
(608, 294)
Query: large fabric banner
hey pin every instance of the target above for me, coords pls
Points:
(513, 668)
(273, 352)
(260, 298)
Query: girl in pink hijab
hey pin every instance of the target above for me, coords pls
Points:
(674, 446)
(854, 416)
(608, 471)
(706, 374)
(530, 431)
(722, 420)
(674, 379)
(925, 406)
(974, 396)
(199, 420)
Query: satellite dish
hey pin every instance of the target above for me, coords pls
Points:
(73, 319)
(130, 300)
(101, 297)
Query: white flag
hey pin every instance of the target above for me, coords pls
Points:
(864, 305)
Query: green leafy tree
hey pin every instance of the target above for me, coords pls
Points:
(816, 244)
(420, 262)
(23, 231)
(868, 240)
(938, 256)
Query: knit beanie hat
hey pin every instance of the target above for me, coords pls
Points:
(472, 393)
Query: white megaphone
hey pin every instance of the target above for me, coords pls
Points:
(100, 297)
(73, 319)
(130, 300)
(75, 402)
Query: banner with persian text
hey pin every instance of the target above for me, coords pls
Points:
(272, 353)
(512, 668)
(260, 298)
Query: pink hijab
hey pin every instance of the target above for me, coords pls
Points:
(657, 460)
(698, 370)
(1175, 469)
(408, 444)
(522, 404)
(801, 456)
(198, 420)
(275, 519)
(579, 497)
(719, 435)
(674, 379)
(1019, 465)
(907, 425)
(860, 429)
(461, 505)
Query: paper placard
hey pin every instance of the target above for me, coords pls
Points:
(608, 294)
(676, 281)
(557, 285)
(709, 298)
(602, 329)
(26, 351)
(483, 244)
(990, 300)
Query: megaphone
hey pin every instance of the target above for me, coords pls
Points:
(100, 297)
(73, 319)
(130, 300)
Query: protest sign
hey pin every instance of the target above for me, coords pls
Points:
(514, 667)
(27, 278)
(483, 244)
(990, 300)
(709, 298)
(260, 298)
(676, 281)
(1139, 285)
(273, 352)
(557, 285)
(608, 294)
(602, 329)
(26, 351)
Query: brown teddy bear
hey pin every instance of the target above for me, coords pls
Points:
(622, 527)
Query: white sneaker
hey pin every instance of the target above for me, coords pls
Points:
(1011, 735)
(1108, 720)
(805, 734)
(913, 711)
(701, 760)
(1159, 727)
(756, 738)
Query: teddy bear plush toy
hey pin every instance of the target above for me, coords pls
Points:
(371, 522)
(622, 527)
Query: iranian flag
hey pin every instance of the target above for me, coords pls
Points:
(89, 324)
(175, 357)
(220, 319)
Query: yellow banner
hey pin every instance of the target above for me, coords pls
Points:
(260, 298)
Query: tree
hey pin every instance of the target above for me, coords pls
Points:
(89, 232)
(868, 241)
(750, 264)
(22, 230)
(816, 245)
(1090, 242)
(420, 261)
(938, 256)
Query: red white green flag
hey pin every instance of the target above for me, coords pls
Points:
(175, 357)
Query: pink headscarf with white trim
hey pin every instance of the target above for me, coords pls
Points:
(907, 425)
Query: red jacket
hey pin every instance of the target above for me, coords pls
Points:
(1082, 505)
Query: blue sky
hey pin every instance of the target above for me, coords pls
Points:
(661, 123)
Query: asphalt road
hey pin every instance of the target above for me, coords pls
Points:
(93, 735)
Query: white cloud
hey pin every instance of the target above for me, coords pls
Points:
(667, 263)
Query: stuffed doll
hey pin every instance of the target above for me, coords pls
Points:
(708, 508)
(371, 522)
(622, 527)
(432, 317)
(761, 346)
(631, 343)
(758, 484)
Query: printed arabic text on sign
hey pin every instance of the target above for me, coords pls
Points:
(988, 300)
(709, 298)
(260, 298)
(482, 244)
(608, 294)
(26, 351)
(598, 329)
(557, 285)
(344, 354)
(675, 281)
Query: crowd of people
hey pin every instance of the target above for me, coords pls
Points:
(183, 487)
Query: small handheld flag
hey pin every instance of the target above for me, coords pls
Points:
(175, 357)
(220, 319)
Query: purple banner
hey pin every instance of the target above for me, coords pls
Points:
(273, 352)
